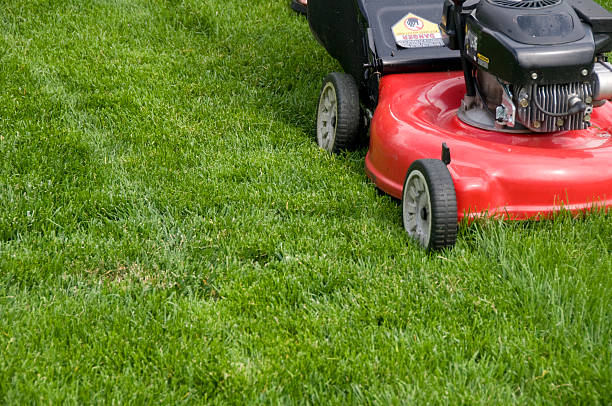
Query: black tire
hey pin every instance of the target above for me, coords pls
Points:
(338, 114)
(430, 215)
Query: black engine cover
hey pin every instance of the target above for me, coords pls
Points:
(532, 41)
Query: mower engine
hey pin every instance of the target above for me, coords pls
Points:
(530, 65)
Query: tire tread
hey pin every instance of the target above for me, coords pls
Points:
(443, 202)
(348, 115)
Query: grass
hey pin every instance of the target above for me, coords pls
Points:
(169, 232)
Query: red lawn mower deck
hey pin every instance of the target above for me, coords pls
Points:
(518, 176)
(475, 108)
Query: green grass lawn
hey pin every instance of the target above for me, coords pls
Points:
(170, 232)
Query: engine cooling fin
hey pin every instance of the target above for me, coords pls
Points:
(547, 110)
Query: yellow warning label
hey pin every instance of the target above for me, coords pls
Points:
(483, 61)
(483, 58)
(413, 31)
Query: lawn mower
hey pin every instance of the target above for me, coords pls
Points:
(494, 108)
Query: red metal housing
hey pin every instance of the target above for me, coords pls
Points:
(515, 175)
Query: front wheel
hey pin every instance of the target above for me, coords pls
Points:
(429, 204)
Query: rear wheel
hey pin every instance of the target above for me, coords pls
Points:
(338, 116)
(429, 204)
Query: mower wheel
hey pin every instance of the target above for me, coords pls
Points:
(338, 115)
(429, 204)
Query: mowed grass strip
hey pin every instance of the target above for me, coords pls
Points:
(170, 232)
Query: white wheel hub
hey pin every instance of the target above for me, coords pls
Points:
(416, 204)
(327, 117)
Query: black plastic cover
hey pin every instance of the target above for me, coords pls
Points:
(516, 62)
(600, 21)
(551, 25)
(358, 33)
(536, 41)
(337, 26)
(382, 15)
(448, 26)
(593, 14)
